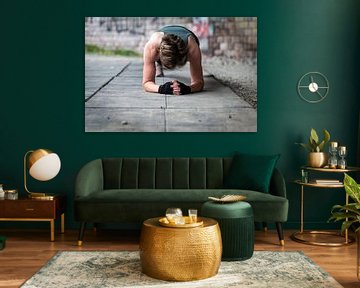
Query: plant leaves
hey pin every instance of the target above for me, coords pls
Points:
(352, 207)
(306, 146)
(352, 188)
(314, 135)
(346, 225)
(321, 146)
(350, 213)
(326, 136)
(336, 216)
(313, 145)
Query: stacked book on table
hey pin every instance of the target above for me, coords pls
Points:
(327, 181)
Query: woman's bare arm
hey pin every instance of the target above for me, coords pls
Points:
(149, 69)
(196, 71)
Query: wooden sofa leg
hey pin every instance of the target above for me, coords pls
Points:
(280, 233)
(81, 233)
(265, 227)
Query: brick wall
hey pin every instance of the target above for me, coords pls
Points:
(232, 37)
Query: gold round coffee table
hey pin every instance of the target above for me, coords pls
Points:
(180, 254)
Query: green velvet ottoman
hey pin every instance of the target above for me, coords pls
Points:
(236, 221)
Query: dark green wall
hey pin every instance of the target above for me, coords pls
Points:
(42, 89)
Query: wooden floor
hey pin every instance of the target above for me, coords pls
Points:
(28, 250)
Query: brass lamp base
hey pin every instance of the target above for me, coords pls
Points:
(41, 196)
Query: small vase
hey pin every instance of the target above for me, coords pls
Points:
(317, 159)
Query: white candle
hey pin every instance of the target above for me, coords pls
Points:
(342, 149)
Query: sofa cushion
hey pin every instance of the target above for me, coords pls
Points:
(266, 207)
(163, 173)
(251, 172)
(171, 195)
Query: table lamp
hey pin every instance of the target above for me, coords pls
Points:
(43, 165)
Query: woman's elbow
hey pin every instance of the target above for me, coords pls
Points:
(149, 87)
(202, 85)
(145, 87)
(199, 86)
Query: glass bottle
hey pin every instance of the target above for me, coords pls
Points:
(333, 162)
(342, 154)
(304, 176)
(2, 192)
(11, 194)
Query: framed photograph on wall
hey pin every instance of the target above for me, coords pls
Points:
(170, 74)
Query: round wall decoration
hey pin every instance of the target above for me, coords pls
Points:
(313, 87)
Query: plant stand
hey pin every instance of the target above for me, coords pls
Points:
(297, 235)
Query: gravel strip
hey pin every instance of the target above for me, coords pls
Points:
(240, 76)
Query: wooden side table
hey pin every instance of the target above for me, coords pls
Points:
(26, 209)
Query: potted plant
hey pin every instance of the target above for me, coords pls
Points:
(317, 157)
(350, 214)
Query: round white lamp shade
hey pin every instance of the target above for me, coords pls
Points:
(46, 167)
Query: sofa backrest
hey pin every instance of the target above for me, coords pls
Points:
(165, 173)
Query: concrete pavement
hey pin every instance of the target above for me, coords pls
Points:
(116, 102)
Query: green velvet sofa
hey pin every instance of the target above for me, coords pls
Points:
(131, 190)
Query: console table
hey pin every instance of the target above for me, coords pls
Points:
(297, 235)
(27, 209)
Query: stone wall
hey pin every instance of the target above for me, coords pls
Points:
(231, 37)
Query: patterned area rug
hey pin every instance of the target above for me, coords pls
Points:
(122, 269)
